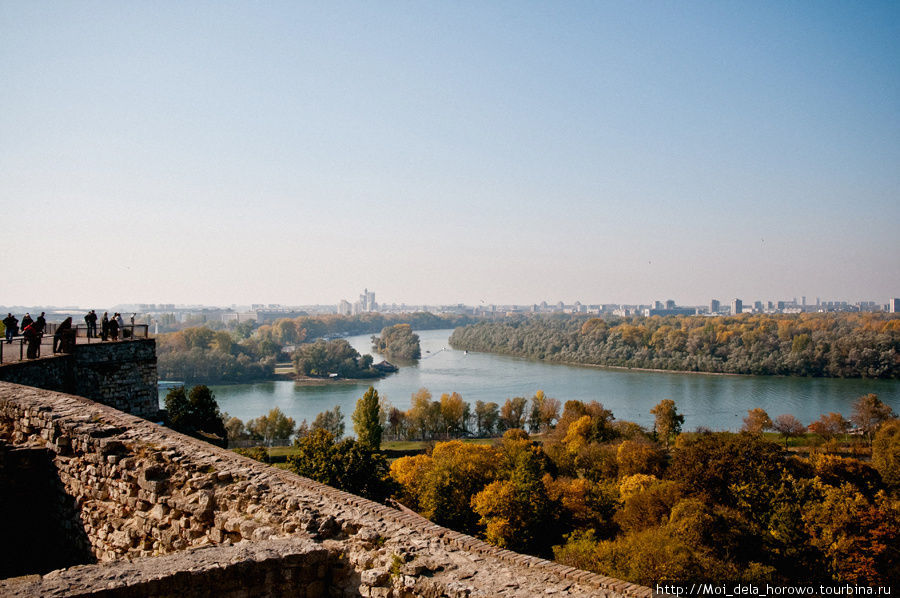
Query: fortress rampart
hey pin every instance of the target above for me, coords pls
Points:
(121, 375)
(141, 510)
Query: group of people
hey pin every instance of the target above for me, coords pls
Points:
(33, 330)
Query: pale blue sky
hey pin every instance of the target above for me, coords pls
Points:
(237, 152)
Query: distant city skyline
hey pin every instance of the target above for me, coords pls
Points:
(296, 153)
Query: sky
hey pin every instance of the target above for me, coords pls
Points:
(448, 152)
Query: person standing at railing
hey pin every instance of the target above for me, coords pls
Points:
(12, 325)
(33, 337)
(114, 328)
(91, 320)
(41, 324)
(26, 320)
(104, 326)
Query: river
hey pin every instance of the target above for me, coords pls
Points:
(713, 401)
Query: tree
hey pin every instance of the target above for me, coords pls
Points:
(420, 415)
(196, 413)
(668, 420)
(234, 427)
(346, 465)
(398, 341)
(367, 420)
(274, 425)
(789, 427)
(757, 421)
(869, 413)
(443, 484)
(486, 416)
(544, 411)
(332, 421)
(454, 413)
(886, 452)
(517, 512)
(512, 414)
(830, 425)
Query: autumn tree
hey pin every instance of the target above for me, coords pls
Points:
(668, 421)
(886, 452)
(830, 425)
(367, 420)
(869, 413)
(454, 413)
(445, 482)
(512, 414)
(757, 421)
(789, 427)
(517, 512)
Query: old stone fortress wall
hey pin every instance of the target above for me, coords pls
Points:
(99, 502)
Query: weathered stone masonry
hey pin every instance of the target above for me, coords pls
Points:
(163, 514)
(121, 374)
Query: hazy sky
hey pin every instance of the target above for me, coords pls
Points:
(442, 152)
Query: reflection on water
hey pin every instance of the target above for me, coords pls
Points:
(717, 402)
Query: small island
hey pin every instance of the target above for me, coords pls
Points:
(398, 342)
(333, 359)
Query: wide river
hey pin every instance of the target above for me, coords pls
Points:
(714, 401)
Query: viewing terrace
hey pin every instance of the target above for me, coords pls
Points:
(17, 349)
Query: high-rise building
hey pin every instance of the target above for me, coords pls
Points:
(670, 304)
(737, 306)
(714, 306)
(894, 306)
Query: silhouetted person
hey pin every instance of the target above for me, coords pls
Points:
(12, 326)
(91, 320)
(114, 328)
(33, 338)
(104, 326)
(41, 324)
(27, 320)
(61, 338)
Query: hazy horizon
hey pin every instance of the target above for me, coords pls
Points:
(292, 153)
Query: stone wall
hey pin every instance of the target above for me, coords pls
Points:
(118, 374)
(144, 491)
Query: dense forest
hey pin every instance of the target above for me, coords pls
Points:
(833, 345)
(398, 342)
(245, 351)
(610, 497)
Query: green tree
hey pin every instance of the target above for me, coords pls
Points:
(195, 413)
(346, 465)
(668, 421)
(398, 341)
(367, 420)
(273, 426)
(331, 421)
(486, 416)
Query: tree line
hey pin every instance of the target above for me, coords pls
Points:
(215, 353)
(643, 505)
(854, 345)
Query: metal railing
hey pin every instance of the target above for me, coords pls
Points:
(17, 349)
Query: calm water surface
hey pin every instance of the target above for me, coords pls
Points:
(717, 402)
